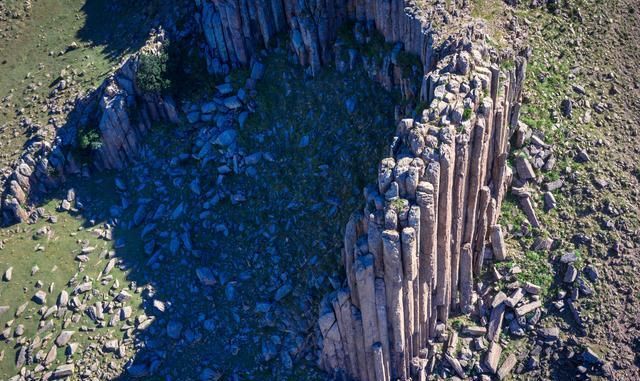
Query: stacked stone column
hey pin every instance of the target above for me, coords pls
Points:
(413, 254)
(235, 30)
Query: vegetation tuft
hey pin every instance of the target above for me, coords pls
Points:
(152, 76)
(466, 114)
(89, 139)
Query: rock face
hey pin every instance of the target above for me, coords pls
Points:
(121, 113)
(412, 254)
(236, 29)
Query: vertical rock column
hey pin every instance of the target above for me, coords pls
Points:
(414, 253)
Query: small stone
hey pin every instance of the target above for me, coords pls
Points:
(226, 138)
(65, 205)
(524, 169)
(205, 275)
(591, 357)
(283, 291)
(159, 305)
(174, 328)
(571, 274)
(63, 298)
(549, 201)
(63, 338)
(525, 309)
(532, 288)
(554, 185)
(123, 296)
(110, 346)
(225, 88)
(71, 349)
(8, 275)
(579, 89)
(63, 371)
(51, 355)
(82, 288)
(566, 107)
(549, 334)
(232, 103)
(582, 157)
(350, 104)
(475, 331)
(492, 357)
(507, 366)
(590, 271)
(40, 297)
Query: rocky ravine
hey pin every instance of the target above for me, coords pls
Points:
(411, 257)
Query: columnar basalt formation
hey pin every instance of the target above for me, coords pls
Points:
(121, 113)
(413, 254)
(236, 29)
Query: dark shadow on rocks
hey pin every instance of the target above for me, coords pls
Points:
(240, 258)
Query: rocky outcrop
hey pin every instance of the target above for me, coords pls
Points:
(413, 254)
(118, 110)
(126, 112)
(235, 30)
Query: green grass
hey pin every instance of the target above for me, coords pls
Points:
(38, 53)
(57, 266)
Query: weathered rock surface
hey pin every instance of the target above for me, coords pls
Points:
(426, 223)
(122, 112)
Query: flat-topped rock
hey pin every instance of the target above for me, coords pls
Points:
(40, 297)
(63, 338)
(63, 371)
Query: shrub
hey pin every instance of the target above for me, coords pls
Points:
(152, 74)
(89, 139)
(466, 114)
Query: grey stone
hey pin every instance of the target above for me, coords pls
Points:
(569, 257)
(209, 107)
(193, 117)
(549, 201)
(110, 346)
(549, 334)
(590, 271)
(257, 71)
(554, 185)
(591, 357)
(206, 277)
(174, 329)
(232, 103)
(283, 291)
(351, 104)
(566, 107)
(63, 338)
(40, 297)
(63, 371)
(571, 274)
(123, 296)
(582, 156)
(226, 138)
(524, 169)
(8, 274)
(225, 88)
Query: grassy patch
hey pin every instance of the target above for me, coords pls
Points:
(55, 256)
